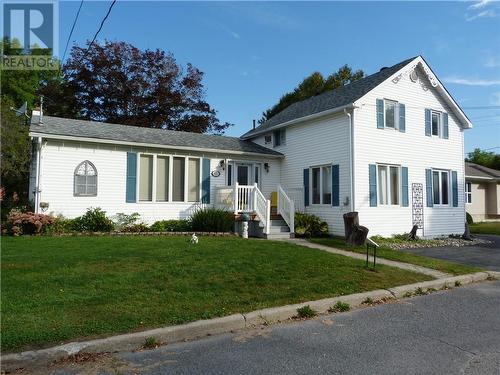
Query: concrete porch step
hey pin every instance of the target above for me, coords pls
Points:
(279, 229)
(278, 236)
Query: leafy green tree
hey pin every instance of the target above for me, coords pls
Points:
(312, 85)
(488, 159)
(15, 156)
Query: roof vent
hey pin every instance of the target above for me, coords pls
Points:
(383, 68)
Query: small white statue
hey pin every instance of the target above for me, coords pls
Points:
(194, 239)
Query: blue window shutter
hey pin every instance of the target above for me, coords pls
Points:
(445, 126)
(454, 188)
(205, 181)
(402, 118)
(335, 185)
(428, 187)
(380, 113)
(372, 174)
(131, 177)
(306, 187)
(428, 122)
(404, 186)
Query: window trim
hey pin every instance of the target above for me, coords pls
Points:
(75, 194)
(468, 192)
(388, 185)
(170, 176)
(321, 203)
(440, 204)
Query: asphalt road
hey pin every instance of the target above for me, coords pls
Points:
(486, 256)
(447, 332)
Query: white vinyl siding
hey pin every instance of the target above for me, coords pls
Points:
(146, 178)
(57, 183)
(412, 149)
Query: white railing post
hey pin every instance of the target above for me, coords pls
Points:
(268, 216)
(235, 198)
(254, 197)
(292, 216)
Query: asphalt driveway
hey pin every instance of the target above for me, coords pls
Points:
(486, 256)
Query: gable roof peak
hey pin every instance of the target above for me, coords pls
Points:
(329, 100)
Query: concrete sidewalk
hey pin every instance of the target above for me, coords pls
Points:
(392, 263)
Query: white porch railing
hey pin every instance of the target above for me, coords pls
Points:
(245, 199)
(286, 208)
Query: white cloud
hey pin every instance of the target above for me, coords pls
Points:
(472, 81)
(485, 13)
(479, 4)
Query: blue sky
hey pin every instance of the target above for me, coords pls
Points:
(253, 52)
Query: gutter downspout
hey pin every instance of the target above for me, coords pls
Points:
(351, 154)
(37, 175)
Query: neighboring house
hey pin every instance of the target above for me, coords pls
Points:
(482, 192)
(389, 146)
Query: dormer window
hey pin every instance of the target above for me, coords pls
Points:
(268, 139)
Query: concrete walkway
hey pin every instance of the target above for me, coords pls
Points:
(392, 263)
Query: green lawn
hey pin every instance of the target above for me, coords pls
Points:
(387, 253)
(487, 227)
(55, 289)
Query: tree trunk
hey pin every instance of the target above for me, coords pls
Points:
(413, 233)
(355, 234)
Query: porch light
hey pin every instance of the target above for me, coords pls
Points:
(222, 164)
(266, 167)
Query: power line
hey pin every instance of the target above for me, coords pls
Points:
(98, 30)
(71, 32)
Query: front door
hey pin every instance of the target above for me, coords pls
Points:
(243, 174)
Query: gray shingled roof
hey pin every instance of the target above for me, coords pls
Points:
(476, 170)
(123, 133)
(331, 99)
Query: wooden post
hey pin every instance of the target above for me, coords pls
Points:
(292, 216)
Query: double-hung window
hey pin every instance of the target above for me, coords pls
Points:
(321, 185)
(436, 123)
(468, 192)
(440, 187)
(279, 137)
(389, 184)
(390, 113)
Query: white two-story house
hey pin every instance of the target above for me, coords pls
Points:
(389, 146)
